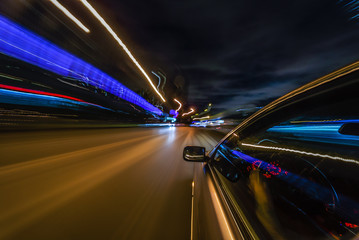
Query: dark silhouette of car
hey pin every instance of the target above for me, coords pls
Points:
(289, 171)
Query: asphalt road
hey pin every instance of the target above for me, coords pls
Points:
(98, 183)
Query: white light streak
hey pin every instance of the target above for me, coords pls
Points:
(192, 209)
(303, 152)
(192, 110)
(180, 104)
(164, 82)
(119, 41)
(159, 79)
(69, 15)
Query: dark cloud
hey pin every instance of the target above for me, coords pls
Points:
(243, 52)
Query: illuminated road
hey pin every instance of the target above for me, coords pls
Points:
(98, 184)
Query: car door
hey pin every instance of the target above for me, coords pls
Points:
(292, 170)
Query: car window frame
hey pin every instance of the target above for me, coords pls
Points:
(271, 115)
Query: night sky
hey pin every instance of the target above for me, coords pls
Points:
(238, 52)
(232, 53)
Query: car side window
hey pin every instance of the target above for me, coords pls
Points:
(298, 177)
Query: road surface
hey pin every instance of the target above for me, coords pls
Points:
(126, 183)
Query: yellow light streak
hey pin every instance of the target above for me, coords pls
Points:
(201, 118)
(119, 41)
(192, 110)
(316, 121)
(180, 104)
(69, 15)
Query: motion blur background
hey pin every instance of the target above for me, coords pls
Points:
(128, 62)
(98, 99)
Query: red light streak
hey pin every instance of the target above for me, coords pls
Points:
(44, 93)
(39, 92)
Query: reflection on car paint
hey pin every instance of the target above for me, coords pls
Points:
(325, 132)
(303, 152)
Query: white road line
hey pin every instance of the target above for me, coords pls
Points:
(192, 210)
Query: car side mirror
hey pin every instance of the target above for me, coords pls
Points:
(349, 129)
(194, 154)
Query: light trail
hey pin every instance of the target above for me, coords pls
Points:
(180, 104)
(192, 209)
(69, 15)
(24, 45)
(159, 79)
(303, 152)
(39, 92)
(29, 97)
(192, 110)
(119, 41)
(201, 118)
(164, 82)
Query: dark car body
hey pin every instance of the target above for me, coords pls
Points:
(289, 171)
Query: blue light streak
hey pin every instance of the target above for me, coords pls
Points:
(352, 7)
(17, 42)
(31, 99)
(351, 2)
(318, 132)
(172, 119)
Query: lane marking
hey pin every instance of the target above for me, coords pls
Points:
(192, 210)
